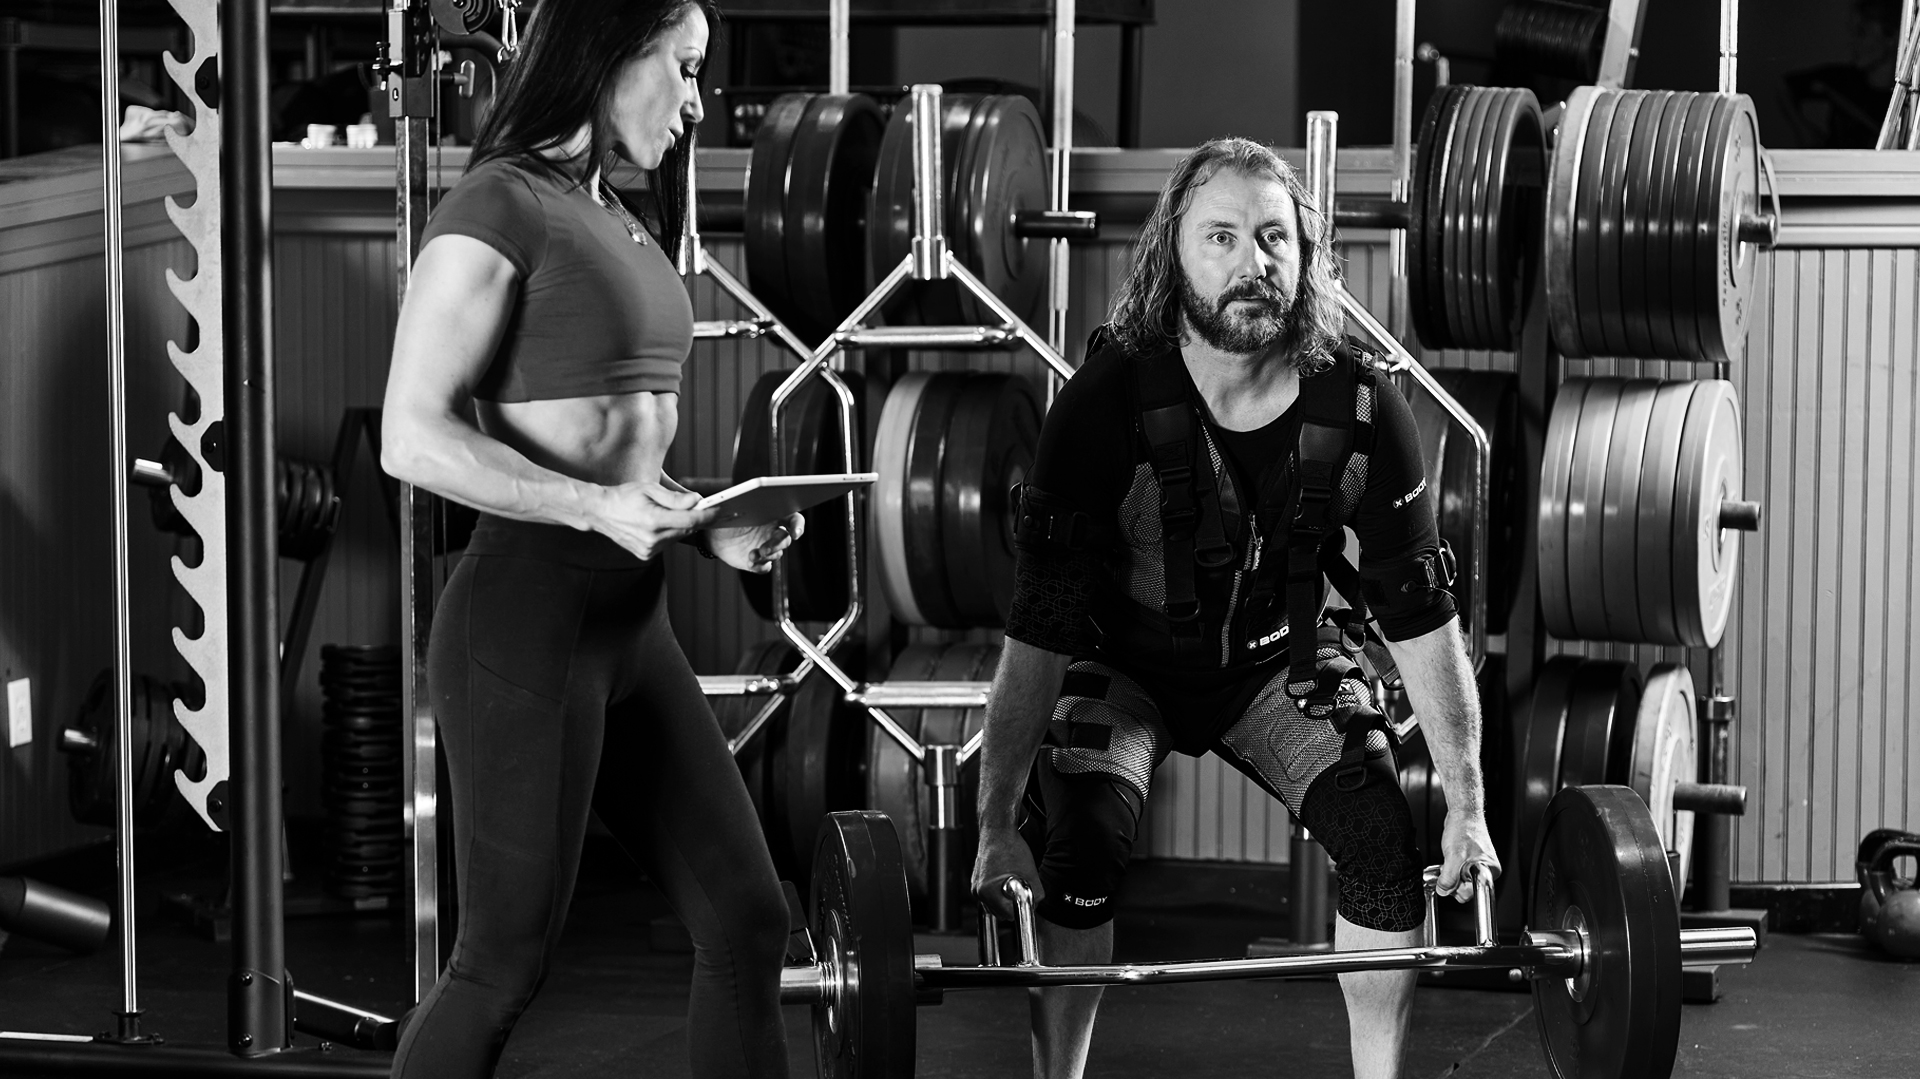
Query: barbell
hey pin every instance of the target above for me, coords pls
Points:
(1603, 947)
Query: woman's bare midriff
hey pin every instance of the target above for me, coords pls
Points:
(608, 440)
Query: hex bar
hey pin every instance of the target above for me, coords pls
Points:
(922, 694)
(1551, 957)
(732, 329)
(929, 337)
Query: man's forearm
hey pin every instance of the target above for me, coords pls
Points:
(1439, 681)
(1024, 691)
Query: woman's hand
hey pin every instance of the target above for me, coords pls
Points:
(753, 548)
(643, 517)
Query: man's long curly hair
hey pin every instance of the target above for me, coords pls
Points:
(1146, 318)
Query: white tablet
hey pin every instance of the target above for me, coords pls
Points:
(770, 498)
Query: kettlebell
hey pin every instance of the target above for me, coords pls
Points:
(1863, 865)
(1896, 925)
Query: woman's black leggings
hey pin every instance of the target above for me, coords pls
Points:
(559, 687)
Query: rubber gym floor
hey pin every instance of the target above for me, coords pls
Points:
(1816, 1006)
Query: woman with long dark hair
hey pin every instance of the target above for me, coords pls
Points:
(535, 376)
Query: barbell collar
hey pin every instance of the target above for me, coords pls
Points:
(1720, 709)
(1720, 945)
(1726, 799)
(921, 694)
(806, 984)
(1371, 212)
(1057, 224)
(150, 473)
(1762, 227)
(1741, 516)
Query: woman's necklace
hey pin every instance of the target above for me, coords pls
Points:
(613, 204)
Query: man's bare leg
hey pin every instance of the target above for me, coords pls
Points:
(1062, 1018)
(1379, 1003)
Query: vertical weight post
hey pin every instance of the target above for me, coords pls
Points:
(257, 993)
(1059, 296)
(941, 768)
(1403, 23)
(929, 227)
(839, 31)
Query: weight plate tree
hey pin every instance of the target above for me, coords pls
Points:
(808, 184)
(993, 157)
(816, 564)
(160, 745)
(895, 782)
(1640, 486)
(1654, 223)
(949, 449)
(1474, 215)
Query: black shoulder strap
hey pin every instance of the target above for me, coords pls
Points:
(1329, 422)
(1190, 526)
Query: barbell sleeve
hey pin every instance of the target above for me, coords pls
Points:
(1057, 224)
(1726, 799)
(150, 473)
(804, 984)
(1370, 212)
(1741, 516)
(1722, 945)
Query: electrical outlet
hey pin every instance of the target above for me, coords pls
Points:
(19, 712)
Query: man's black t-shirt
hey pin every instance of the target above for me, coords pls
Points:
(1090, 459)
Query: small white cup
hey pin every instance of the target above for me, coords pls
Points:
(319, 135)
(363, 136)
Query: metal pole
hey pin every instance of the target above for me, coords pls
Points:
(929, 227)
(839, 30)
(1403, 46)
(1729, 46)
(1059, 281)
(257, 1020)
(1323, 136)
(1308, 888)
(409, 88)
(941, 770)
(117, 463)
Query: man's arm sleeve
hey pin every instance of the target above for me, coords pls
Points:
(1401, 569)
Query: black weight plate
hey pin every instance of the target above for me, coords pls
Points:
(862, 926)
(1439, 191)
(1705, 231)
(1586, 221)
(826, 209)
(1461, 155)
(1493, 399)
(1516, 228)
(1586, 495)
(1692, 160)
(990, 445)
(766, 201)
(1487, 176)
(1620, 546)
(1005, 172)
(1590, 713)
(734, 713)
(1538, 758)
(1659, 224)
(1634, 214)
(1496, 757)
(1422, 296)
(926, 531)
(1607, 229)
(1602, 869)
(813, 764)
(1415, 765)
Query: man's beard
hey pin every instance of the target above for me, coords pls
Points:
(1245, 329)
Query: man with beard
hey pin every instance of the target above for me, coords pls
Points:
(1176, 522)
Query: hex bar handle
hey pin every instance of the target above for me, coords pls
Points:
(732, 329)
(921, 694)
(993, 337)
